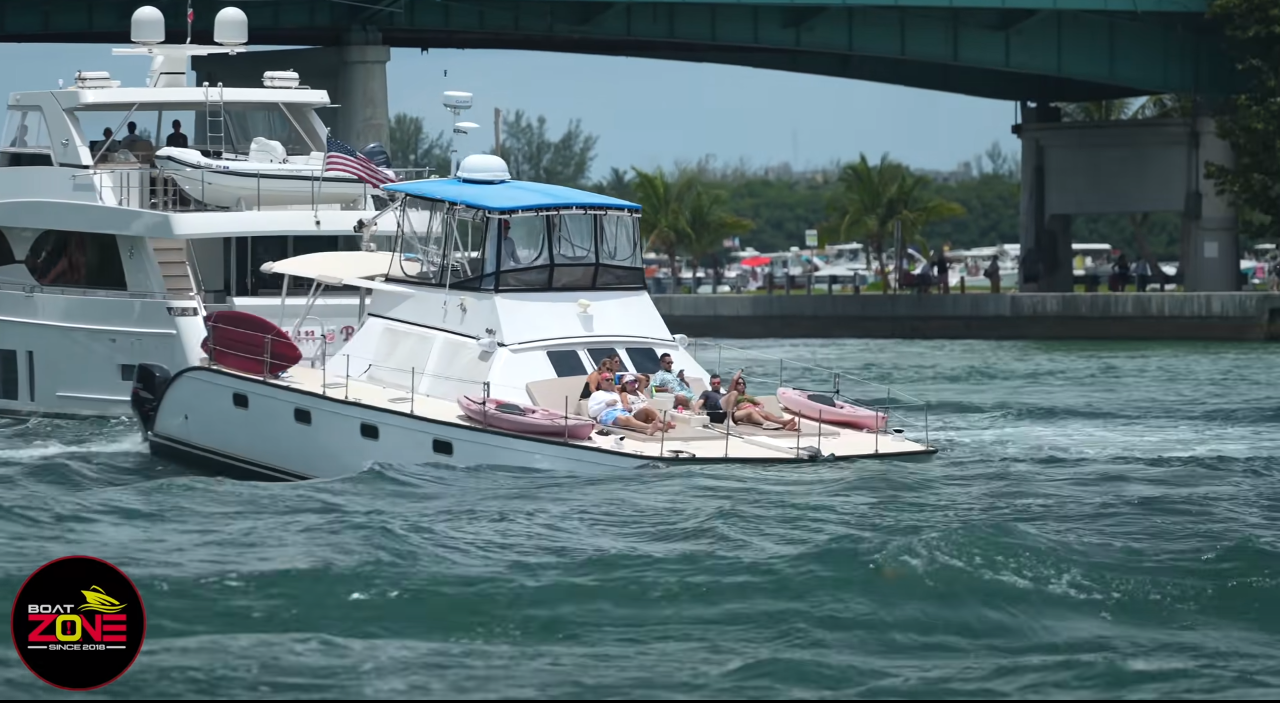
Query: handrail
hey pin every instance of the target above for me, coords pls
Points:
(90, 292)
(314, 173)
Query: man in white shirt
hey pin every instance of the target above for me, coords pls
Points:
(605, 406)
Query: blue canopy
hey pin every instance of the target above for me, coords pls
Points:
(507, 196)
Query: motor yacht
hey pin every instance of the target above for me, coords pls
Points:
(495, 302)
(112, 250)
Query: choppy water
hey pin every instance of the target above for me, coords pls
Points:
(1104, 521)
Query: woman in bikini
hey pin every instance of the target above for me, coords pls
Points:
(593, 381)
(747, 410)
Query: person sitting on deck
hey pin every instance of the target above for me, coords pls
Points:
(605, 406)
(747, 410)
(592, 384)
(667, 382)
(635, 402)
(714, 400)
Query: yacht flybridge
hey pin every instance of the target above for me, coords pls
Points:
(124, 211)
(496, 300)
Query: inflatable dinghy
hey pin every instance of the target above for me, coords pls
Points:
(267, 177)
(525, 419)
(815, 406)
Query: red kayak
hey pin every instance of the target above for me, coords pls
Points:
(248, 343)
(816, 406)
(526, 419)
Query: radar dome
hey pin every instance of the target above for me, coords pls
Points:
(231, 27)
(147, 26)
(484, 168)
(456, 100)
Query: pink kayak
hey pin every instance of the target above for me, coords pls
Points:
(816, 405)
(527, 419)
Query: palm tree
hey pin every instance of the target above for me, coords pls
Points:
(1097, 111)
(872, 198)
(707, 224)
(662, 201)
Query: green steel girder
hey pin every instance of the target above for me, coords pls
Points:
(1004, 49)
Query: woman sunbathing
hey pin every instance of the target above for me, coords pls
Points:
(747, 410)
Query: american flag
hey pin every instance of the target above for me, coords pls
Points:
(344, 159)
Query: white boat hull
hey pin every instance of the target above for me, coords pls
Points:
(198, 422)
(198, 425)
(244, 184)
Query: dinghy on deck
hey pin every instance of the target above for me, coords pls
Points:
(267, 177)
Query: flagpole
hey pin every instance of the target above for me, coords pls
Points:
(190, 17)
(316, 204)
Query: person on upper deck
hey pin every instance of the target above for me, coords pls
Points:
(177, 139)
(667, 382)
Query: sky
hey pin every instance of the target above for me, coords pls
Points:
(646, 112)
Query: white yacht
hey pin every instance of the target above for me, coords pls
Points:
(111, 249)
(496, 301)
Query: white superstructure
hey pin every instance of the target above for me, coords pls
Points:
(118, 226)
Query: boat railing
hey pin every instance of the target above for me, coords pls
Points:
(32, 288)
(766, 373)
(147, 187)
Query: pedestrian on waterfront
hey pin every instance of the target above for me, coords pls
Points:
(993, 274)
(943, 267)
(1143, 273)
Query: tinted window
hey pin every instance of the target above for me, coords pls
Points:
(645, 359)
(301, 416)
(368, 431)
(599, 354)
(8, 374)
(566, 362)
(6, 251)
(127, 371)
(240, 400)
(77, 260)
(442, 446)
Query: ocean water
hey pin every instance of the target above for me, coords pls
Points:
(1103, 521)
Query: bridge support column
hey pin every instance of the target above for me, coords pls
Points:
(355, 76)
(1211, 252)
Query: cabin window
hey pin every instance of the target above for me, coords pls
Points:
(6, 251)
(31, 376)
(26, 139)
(566, 362)
(127, 371)
(369, 431)
(599, 354)
(240, 400)
(8, 374)
(302, 416)
(644, 358)
(442, 446)
(77, 260)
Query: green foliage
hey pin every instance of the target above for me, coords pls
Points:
(1250, 121)
(411, 148)
(532, 155)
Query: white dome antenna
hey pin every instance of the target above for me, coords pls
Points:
(463, 127)
(484, 168)
(231, 27)
(455, 101)
(147, 26)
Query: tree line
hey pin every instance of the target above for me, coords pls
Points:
(691, 208)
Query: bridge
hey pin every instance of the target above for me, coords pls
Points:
(1034, 50)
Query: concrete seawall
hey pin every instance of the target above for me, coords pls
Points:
(1180, 316)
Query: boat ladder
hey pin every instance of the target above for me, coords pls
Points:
(215, 127)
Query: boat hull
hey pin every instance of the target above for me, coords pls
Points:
(246, 427)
